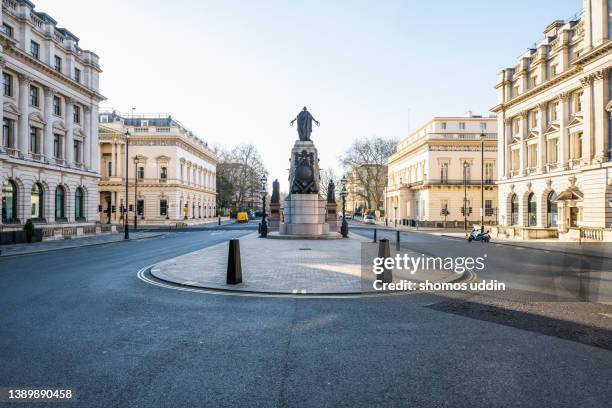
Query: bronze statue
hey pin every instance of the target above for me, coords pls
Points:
(275, 199)
(304, 124)
(331, 192)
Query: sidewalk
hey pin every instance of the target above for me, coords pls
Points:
(54, 245)
(597, 249)
(289, 267)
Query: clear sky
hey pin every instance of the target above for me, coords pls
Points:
(239, 71)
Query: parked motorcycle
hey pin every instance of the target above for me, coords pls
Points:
(476, 235)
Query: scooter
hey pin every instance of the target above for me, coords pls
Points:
(476, 235)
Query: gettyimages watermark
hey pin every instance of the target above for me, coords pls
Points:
(421, 264)
(546, 273)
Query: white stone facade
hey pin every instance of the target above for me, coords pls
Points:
(426, 174)
(48, 153)
(177, 170)
(554, 139)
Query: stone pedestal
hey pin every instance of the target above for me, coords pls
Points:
(274, 218)
(304, 214)
(332, 216)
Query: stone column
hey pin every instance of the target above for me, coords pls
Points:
(23, 123)
(113, 160)
(119, 160)
(541, 162)
(587, 108)
(69, 157)
(563, 100)
(600, 99)
(93, 134)
(48, 129)
(87, 141)
(522, 137)
(505, 147)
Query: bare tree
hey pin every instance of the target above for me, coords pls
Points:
(366, 163)
(239, 177)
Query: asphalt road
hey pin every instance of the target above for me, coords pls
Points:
(80, 318)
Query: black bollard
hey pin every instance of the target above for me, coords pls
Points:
(219, 220)
(234, 267)
(374, 236)
(397, 240)
(385, 252)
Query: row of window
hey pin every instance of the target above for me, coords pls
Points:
(36, 144)
(9, 202)
(467, 172)
(444, 125)
(35, 52)
(532, 210)
(34, 100)
(551, 114)
(551, 151)
(466, 208)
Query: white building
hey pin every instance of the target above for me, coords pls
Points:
(171, 172)
(48, 153)
(435, 174)
(554, 120)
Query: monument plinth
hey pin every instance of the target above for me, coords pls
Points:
(304, 210)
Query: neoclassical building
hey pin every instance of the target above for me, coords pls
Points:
(437, 170)
(48, 152)
(171, 172)
(554, 120)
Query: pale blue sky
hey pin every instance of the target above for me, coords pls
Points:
(238, 72)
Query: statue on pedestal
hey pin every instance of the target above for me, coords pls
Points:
(275, 199)
(304, 124)
(331, 192)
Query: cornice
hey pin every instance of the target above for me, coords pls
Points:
(9, 48)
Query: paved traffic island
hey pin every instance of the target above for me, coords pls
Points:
(289, 267)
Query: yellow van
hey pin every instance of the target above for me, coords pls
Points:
(242, 216)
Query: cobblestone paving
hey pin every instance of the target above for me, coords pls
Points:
(282, 266)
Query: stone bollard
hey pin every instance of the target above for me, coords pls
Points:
(385, 252)
(397, 240)
(234, 267)
(375, 236)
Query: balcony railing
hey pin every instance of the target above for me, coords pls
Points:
(456, 182)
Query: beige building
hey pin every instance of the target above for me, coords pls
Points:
(171, 172)
(438, 168)
(48, 151)
(554, 120)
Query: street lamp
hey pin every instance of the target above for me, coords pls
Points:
(482, 139)
(343, 193)
(126, 234)
(263, 227)
(395, 215)
(465, 167)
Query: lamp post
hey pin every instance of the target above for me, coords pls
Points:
(343, 193)
(126, 233)
(482, 206)
(395, 215)
(136, 158)
(264, 190)
(465, 210)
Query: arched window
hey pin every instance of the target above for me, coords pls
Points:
(532, 219)
(9, 202)
(551, 210)
(514, 208)
(78, 204)
(60, 196)
(36, 201)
